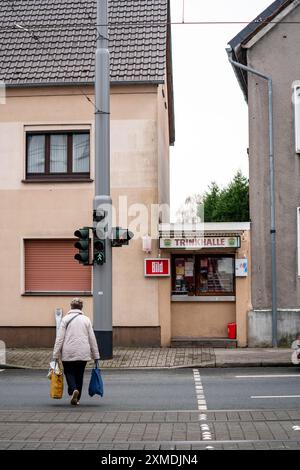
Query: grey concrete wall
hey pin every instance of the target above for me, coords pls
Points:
(260, 327)
(276, 54)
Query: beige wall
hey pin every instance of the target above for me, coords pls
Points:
(36, 213)
(201, 319)
(138, 149)
(165, 318)
(163, 148)
(243, 292)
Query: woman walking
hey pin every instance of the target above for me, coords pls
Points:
(75, 344)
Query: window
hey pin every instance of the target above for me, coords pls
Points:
(202, 275)
(50, 267)
(58, 155)
(183, 275)
(297, 115)
(298, 236)
(215, 275)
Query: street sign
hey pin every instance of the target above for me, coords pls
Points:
(200, 242)
(157, 267)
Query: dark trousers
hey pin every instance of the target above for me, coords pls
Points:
(74, 371)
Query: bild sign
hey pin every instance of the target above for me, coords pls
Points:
(157, 267)
(198, 243)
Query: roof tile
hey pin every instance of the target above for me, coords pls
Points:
(64, 50)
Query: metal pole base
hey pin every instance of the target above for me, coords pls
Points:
(105, 344)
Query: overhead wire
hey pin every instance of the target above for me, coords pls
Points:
(32, 30)
(41, 44)
(143, 23)
(150, 22)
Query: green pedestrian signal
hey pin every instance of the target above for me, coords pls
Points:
(99, 246)
(83, 245)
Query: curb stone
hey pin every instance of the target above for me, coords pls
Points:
(186, 366)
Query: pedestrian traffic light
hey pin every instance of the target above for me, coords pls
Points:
(83, 245)
(99, 246)
(121, 236)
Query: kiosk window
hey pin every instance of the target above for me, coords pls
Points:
(184, 275)
(215, 275)
(203, 275)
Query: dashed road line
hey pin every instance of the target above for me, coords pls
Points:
(266, 376)
(199, 390)
(202, 406)
(275, 396)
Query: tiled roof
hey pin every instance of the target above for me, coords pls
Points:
(59, 44)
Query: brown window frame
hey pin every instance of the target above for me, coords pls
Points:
(47, 175)
(196, 280)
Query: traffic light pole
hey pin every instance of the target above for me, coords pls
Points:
(102, 274)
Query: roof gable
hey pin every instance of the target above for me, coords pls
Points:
(259, 22)
(258, 27)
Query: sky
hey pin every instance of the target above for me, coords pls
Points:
(211, 115)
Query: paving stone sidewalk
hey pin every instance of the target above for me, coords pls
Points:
(131, 358)
(123, 358)
(180, 430)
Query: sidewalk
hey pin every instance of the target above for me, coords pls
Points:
(159, 358)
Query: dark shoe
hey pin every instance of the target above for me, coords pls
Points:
(74, 398)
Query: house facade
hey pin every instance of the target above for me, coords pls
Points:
(270, 45)
(47, 160)
(187, 287)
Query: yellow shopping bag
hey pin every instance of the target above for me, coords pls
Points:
(56, 384)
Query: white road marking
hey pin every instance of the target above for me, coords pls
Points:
(276, 396)
(203, 417)
(199, 390)
(265, 376)
(205, 431)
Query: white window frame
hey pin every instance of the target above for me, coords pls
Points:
(296, 99)
(298, 238)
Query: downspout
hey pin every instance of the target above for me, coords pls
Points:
(272, 190)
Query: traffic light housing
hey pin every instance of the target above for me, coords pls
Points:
(83, 245)
(98, 246)
(121, 236)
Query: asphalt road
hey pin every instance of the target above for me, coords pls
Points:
(123, 390)
(162, 390)
(252, 388)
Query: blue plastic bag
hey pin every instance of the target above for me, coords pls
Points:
(96, 382)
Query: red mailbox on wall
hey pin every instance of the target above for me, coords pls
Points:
(232, 330)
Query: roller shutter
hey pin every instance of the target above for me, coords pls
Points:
(50, 267)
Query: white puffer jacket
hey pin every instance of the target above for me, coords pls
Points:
(76, 341)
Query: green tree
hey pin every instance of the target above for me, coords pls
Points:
(230, 204)
(210, 202)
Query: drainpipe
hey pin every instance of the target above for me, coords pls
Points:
(272, 189)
